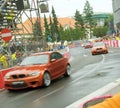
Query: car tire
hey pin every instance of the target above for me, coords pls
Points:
(46, 79)
(68, 71)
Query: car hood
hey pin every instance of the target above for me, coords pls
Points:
(26, 69)
(98, 47)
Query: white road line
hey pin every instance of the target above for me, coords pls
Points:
(48, 94)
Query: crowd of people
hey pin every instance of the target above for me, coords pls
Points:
(13, 53)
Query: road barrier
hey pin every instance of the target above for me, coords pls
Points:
(109, 43)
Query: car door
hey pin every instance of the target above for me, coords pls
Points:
(57, 65)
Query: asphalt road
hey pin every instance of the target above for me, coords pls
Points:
(89, 73)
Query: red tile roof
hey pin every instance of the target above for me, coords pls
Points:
(27, 25)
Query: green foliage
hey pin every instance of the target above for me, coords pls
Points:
(51, 29)
(37, 30)
(88, 12)
(109, 19)
(72, 34)
(47, 31)
(55, 26)
(79, 19)
(100, 32)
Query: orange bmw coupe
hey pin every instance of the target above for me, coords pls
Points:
(99, 48)
(38, 69)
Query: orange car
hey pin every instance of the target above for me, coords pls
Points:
(99, 48)
(38, 69)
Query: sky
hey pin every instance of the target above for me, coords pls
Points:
(64, 8)
(67, 8)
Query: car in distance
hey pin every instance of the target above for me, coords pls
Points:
(99, 48)
(88, 45)
(38, 69)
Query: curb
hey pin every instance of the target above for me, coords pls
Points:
(111, 88)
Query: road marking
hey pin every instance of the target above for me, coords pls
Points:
(48, 94)
(85, 55)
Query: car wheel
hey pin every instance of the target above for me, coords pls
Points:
(46, 79)
(68, 71)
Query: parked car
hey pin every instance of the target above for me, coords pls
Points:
(99, 48)
(94, 101)
(38, 69)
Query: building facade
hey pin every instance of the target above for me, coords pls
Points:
(100, 18)
(116, 12)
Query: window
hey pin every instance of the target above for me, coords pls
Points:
(55, 55)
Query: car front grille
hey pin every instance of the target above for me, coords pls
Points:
(19, 85)
(18, 76)
(99, 49)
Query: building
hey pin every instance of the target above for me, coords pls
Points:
(100, 18)
(116, 12)
(26, 27)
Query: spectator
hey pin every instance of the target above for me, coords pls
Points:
(19, 56)
(3, 60)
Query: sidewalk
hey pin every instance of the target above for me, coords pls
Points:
(111, 88)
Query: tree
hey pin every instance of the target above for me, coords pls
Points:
(37, 31)
(47, 30)
(88, 12)
(100, 31)
(79, 19)
(55, 26)
(110, 23)
(89, 22)
(51, 29)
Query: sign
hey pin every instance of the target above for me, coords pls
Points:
(6, 34)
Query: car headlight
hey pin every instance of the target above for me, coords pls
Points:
(34, 73)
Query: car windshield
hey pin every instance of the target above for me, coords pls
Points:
(32, 60)
(98, 44)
